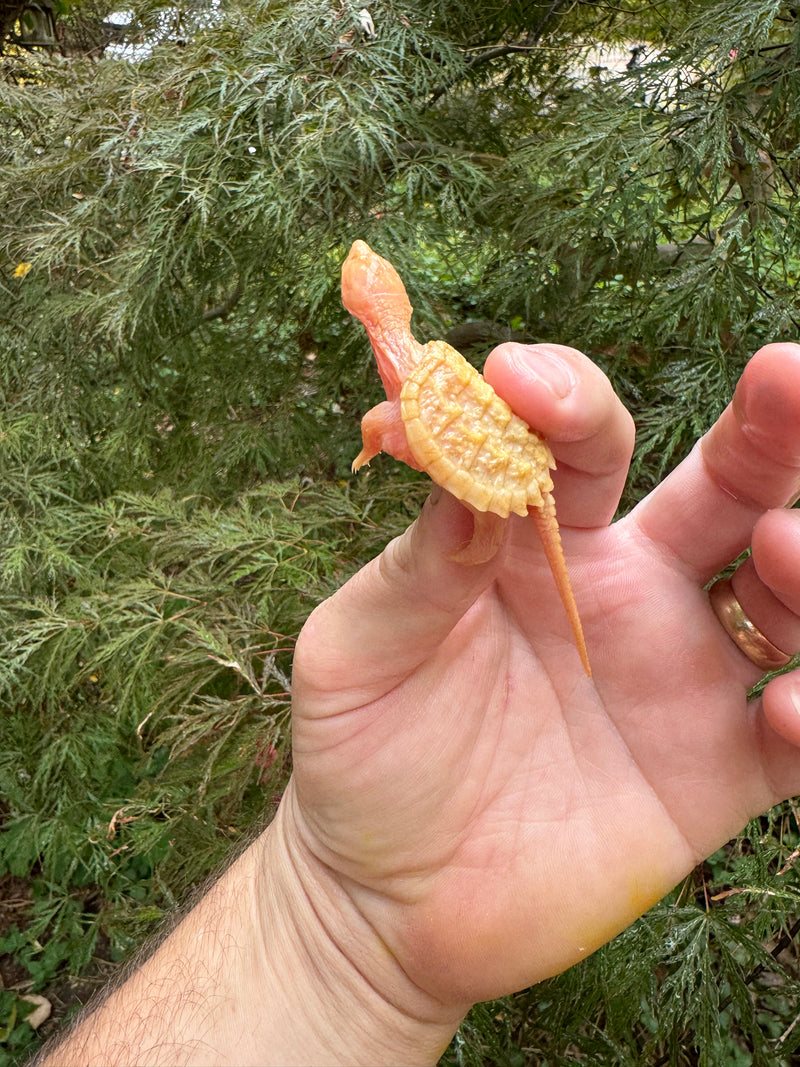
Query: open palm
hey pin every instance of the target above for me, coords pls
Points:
(493, 814)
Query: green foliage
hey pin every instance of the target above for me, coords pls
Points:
(179, 400)
(145, 695)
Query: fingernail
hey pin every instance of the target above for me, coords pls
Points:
(548, 366)
(554, 371)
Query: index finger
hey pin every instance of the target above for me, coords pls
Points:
(567, 399)
(747, 464)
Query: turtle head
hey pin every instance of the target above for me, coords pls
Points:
(373, 292)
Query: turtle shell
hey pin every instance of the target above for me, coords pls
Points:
(468, 439)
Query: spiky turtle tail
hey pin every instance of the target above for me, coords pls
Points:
(547, 527)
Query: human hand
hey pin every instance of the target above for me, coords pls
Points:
(469, 813)
(491, 814)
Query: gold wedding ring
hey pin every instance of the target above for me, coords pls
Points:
(742, 631)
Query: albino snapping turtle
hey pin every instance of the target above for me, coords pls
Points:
(442, 417)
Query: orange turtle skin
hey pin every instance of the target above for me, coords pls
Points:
(442, 417)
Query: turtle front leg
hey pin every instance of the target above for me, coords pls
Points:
(382, 430)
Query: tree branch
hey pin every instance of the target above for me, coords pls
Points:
(526, 44)
(226, 306)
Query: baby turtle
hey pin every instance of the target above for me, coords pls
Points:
(442, 417)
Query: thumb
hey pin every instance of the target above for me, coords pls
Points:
(391, 616)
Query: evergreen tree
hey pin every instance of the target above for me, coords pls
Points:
(181, 389)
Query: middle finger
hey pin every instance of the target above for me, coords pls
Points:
(704, 512)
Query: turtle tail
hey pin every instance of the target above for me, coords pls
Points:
(547, 527)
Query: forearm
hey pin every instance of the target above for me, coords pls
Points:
(261, 972)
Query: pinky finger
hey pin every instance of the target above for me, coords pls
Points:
(781, 706)
(779, 713)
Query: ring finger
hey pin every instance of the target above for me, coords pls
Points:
(767, 585)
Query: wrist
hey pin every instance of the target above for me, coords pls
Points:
(343, 995)
(273, 966)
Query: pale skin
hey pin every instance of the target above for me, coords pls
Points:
(468, 812)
